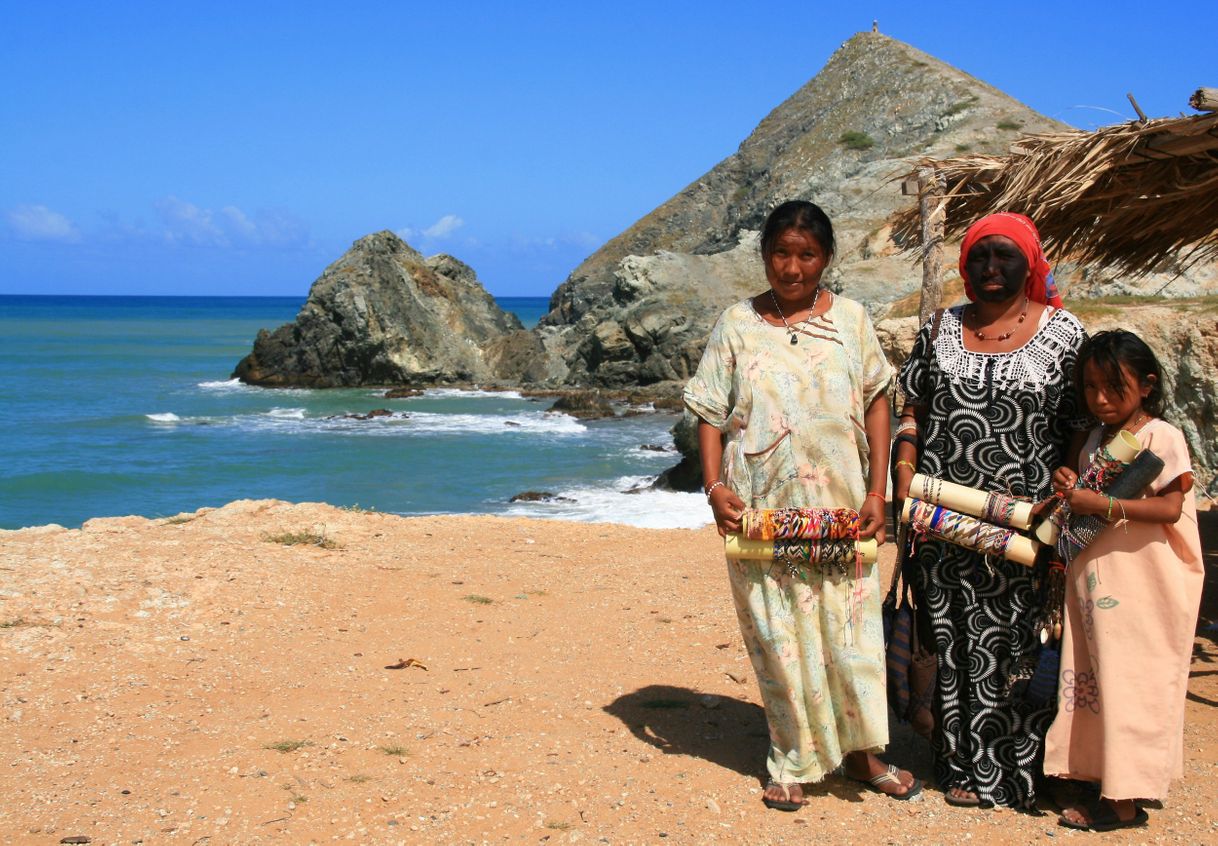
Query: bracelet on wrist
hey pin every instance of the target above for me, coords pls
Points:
(907, 426)
(904, 438)
(711, 487)
(901, 462)
(878, 496)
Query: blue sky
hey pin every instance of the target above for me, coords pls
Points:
(238, 148)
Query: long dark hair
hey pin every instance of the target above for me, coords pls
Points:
(797, 214)
(1107, 351)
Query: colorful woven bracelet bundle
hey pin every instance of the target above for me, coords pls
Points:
(1080, 530)
(800, 524)
(927, 519)
(1107, 465)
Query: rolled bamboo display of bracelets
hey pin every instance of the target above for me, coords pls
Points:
(991, 507)
(928, 519)
(834, 554)
(799, 524)
(1106, 465)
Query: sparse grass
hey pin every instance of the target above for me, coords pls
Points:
(1096, 307)
(177, 520)
(478, 600)
(854, 140)
(1009, 124)
(308, 537)
(12, 624)
(558, 826)
(963, 148)
(356, 508)
(359, 778)
(663, 619)
(393, 750)
(300, 800)
(286, 746)
(537, 592)
(959, 106)
(665, 704)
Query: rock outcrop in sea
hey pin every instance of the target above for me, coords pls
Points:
(384, 315)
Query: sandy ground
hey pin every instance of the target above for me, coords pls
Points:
(196, 681)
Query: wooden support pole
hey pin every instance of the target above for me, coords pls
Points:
(1204, 100)
(932, 210)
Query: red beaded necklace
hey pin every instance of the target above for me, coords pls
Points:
(1022, 315)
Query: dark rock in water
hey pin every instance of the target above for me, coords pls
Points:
(511, 423)
(539, 496)
(371, 415)
(403, 393)
(686, 476)
(586, 405)
(655, 448)
(383, 314)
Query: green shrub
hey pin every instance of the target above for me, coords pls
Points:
(854, 140)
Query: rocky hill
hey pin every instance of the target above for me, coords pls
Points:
(384, 315)
(638, 310)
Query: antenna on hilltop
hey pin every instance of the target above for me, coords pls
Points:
(875, 25)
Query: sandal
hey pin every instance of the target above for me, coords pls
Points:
(973, 801)
(1104, 818)
(890, 776)
(787, 804)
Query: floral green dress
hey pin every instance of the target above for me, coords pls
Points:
(792, 420)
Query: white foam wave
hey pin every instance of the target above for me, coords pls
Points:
(530, 421)
(225, 385)
(164, 417)
(463, 392)
(287, 413)
(645, 508)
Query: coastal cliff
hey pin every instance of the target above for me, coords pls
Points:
(638, 310)
(383, 315)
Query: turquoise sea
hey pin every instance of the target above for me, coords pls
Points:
(124, 405)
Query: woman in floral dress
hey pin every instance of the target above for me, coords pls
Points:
(790, 396)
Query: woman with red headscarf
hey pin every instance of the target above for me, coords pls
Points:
(991, 405)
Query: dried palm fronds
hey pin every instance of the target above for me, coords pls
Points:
(1132, 196)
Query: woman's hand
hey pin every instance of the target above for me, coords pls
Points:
(727, 508)
(871, 519)
(1064, 479)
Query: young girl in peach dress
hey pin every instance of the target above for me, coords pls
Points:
(1132, 599)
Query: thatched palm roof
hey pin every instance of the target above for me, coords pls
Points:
(1130, 196)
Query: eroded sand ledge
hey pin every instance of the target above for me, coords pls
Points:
(582, 682)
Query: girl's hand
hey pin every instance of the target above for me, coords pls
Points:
(727, 508)
(871, 519)
(1085, 501)
(1064, 479)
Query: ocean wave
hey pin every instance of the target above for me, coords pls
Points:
(225, 386)
(465, 393)
(287, 413)
(531, 422)
(164, 417)
(628, 500)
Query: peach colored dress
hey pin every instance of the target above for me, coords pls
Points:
(1132, 599)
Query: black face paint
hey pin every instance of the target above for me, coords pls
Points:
(996, 269)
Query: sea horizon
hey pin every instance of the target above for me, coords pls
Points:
(125, 405)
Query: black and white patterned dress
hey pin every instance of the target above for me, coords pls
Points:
(998, 422)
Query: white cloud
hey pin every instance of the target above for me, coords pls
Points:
(38, 223)
(444, 227)
(186, 223)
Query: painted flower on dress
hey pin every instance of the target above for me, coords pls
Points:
(1081, 690)
(814, 475)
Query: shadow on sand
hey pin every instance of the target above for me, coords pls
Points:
(732, 733)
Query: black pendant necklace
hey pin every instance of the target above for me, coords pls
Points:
(791, 329)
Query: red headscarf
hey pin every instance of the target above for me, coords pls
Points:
(1040, 287)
